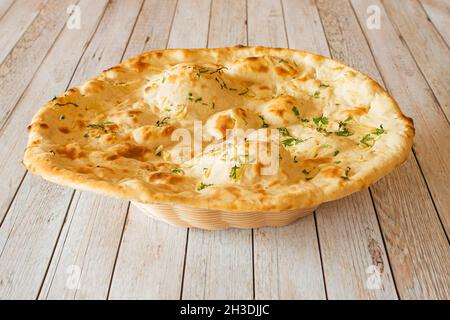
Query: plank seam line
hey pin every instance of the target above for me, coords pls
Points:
(12, 199)
(384, 84)
(432, 200)
(171, 23)
(44, 3)
(320, 256)
(118, 249)
(132, 30)
(253, 264)
(385, 246)
(6, 11)
(246, 21)
(284, 24)
(184, 264)
(54, 248)
(432, 23)
(63, 244)
(405, 43)
(209, 23)
(9, 113)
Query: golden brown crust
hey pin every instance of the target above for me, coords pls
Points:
(340, 130)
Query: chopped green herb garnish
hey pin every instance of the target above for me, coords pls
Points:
(177, 171)
(162, 122)
(291, 141)
(305, 171)
(284, 132)
(202, 186)
(323, 85)
(296, 112)
(316, 94)
(367, 141)
(336, 153)
(295, 159)
(198, 99)
(346, 172)
(379, 131)
(320, 122)
(234, 172)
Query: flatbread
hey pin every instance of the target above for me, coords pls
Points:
(339, 131)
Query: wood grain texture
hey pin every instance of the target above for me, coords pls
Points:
(5, 5)
(265, 23)
(228, 23)
(405, 82)
(84, 257)
(347, 228)
(90, 242)
(150, 261)
(19, 66)
(286, 260)
(13, 136)
(219, 264)
(152, 27)
(28, 236)
(190, 15)
(439, 14)
(14, 23)
(418, 33)
(408, 219)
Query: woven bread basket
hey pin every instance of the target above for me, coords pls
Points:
(184, 216)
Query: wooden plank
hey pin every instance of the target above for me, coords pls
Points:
(82, 265)
(286, 260)
(410, 225)
(190, 15)
(15, 22)
(28, 235)
(438, 13)
(27, 246)
(406, 83)
(150, 261)
(12, 137)
(152, 27)
(228, 23)
(219, 264)
(19, 66)
(265, 23)
(411, 21)
(5, 5)
(348, 228)
(90, 241)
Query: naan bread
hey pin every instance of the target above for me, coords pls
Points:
(339, 130)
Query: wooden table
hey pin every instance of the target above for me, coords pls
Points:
(387, 242)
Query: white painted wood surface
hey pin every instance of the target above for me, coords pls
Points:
(55, 243)
(14, 23)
